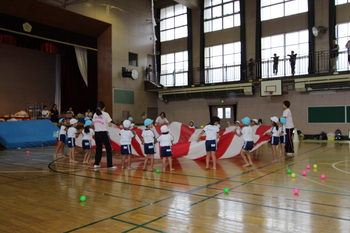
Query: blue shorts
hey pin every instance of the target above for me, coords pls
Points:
(283, 139)
(210, 145)
(149, 148)
(125, 149)
(248, 145)
(165, 151)
(62, 138)
(71, 142)
(275, 140)
(86, 144)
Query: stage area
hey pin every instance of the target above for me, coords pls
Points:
(43, 194)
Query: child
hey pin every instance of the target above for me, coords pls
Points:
(125, 143)
(62, 139)
(191, 124)
(88, 133)
(254, 122)
(275, 137)
(148, 138)
(212, 132)
(132, 122)
(166, 140)
(248, 141)
(72, 134)
(283, 137)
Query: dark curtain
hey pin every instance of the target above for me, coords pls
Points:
(74, 92)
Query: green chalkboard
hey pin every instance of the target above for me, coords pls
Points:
(328, 114)
(123, 97)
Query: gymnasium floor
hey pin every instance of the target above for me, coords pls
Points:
(39, 194)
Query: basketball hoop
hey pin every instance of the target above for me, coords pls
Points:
(268, 94)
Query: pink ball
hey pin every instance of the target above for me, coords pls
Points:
(307, 166)
(296, 191)
(27, 151)
(323, 176)
(304, 173)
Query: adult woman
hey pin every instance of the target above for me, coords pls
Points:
(101, 119)
(54, 113)
(289, 127)
(161, 119)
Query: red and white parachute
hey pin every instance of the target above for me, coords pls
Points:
(185, 144)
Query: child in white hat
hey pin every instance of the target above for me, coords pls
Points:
(275, 137)
(166, 141)
(125, 143)
(72, 134)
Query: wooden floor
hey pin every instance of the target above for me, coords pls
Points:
(41, 195)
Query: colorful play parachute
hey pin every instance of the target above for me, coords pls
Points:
(185, 144)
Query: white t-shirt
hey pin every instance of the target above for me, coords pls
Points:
(161, 121)
(101, 122)
(288, 115)
(125, 137)
(275, 132)
(211, 131)
(282, 130)
(71, 132)
(88, 136)
(45, 113)
(63, 130)
(247, 133)
(165, 139)
(148, 136)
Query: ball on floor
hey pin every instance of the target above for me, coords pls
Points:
(82, 198)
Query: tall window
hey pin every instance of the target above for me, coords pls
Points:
(222, 63)
(342, 34)
(272, 9)
(173, 22)
(221, 14)
(174, 69)
(282, 45)
(339, 2)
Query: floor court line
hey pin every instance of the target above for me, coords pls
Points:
(180, 194)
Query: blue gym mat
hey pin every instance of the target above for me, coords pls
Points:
(18, 134)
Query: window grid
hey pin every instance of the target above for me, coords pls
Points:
(342, 34)
(173, 22)
(223, 63)
(272, 9)
(282, 45)
(340, 2)
(174, 69)
(221, 14)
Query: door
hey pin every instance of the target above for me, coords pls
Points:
(227, 113)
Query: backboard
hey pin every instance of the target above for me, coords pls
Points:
(271, 88)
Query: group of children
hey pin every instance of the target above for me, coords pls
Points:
(148, 139)
(68, 136)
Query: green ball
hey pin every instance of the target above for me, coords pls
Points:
(226, 190)
(315, 165)
(82, 198)
(293, 175)
(289, 171)
(158, 170)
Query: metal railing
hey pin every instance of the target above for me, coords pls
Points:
(306, 65)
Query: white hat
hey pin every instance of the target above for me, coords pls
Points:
(274, 119)
(255, 120)
(237, 122)
(126, 124)
(164, 129)
(73, 121)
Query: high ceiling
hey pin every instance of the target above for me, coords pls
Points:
(39, 12)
